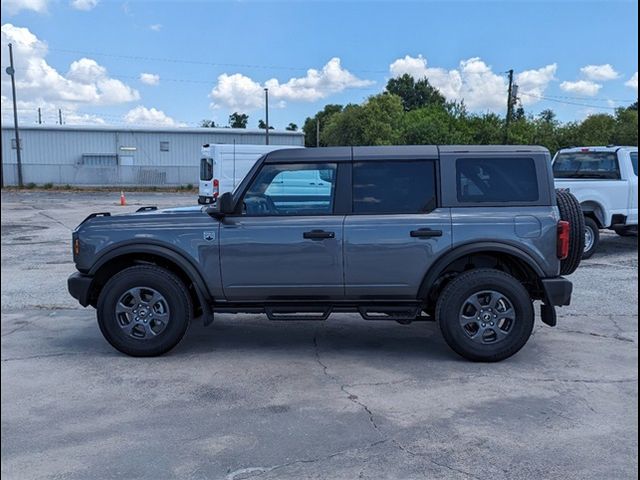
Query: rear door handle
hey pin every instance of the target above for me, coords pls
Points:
(318, 235)
(425, 233)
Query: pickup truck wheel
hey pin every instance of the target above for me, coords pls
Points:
(571, 211)
(144, 311)
(485, 315)
(591, 237)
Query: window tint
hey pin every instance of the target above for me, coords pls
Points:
(292, 189)
(496, 180)
(394, 187)
(206, 169)
(634, 162)
(586, 165)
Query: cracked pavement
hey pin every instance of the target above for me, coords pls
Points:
(343, 399)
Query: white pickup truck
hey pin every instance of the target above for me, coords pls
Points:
(605, 181)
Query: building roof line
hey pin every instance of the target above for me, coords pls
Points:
(107, 128)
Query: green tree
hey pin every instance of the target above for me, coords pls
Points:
(414, 94)
(376, 122)
(309, 127)
(434, 125)
(626, 129)
(262, 125)
(292, 127)
(598, 129)
(238, 120)
(208, 124)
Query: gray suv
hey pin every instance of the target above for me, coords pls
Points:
(466, 236)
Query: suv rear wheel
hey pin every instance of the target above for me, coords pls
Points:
(144, 311)
(485, 315)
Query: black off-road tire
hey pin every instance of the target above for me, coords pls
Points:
(571, 212)
(593, 229)
(174, 294)
(453, 298)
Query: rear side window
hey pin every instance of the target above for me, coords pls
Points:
(394, 187)
(634, 162)
(496, 180)
(586, 165)
(206, 169)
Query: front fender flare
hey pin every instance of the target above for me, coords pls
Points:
(160, 250)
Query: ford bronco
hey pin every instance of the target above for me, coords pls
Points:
(467, 236)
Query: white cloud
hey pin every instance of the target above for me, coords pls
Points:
(150, 116)
(581, 87)
(156, 27)
(84, 5)
(449, 82)
(600, 73)
(633, 82)
(150, 78)
(242, 93)
(533, 83)
(86, 82)
(15, 6)
(475, 82)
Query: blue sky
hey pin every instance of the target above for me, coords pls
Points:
(207, 59)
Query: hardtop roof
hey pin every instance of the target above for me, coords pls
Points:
(388, 152)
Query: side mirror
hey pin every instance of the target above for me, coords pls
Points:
(223, 206)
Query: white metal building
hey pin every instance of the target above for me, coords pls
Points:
(99, 155)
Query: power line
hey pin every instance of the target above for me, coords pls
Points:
(189, 61)
(567, 102)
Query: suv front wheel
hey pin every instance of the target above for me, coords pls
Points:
(485, 315)
(144, 311)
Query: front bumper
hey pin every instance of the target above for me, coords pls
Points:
(557, 291)
(79, 286)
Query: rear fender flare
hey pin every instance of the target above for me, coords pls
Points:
(461, 251)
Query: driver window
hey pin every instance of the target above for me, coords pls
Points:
(292, 189)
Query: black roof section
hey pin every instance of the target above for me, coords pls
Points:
(388, 152)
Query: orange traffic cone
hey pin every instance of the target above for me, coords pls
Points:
(123, 200)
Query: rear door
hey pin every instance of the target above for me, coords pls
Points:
(396, 229)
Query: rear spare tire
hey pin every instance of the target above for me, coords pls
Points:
(570, 211)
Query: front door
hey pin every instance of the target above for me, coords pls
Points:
(287, 243)
(395, 231)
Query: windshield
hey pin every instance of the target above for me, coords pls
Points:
(586, 165)
(206, 169)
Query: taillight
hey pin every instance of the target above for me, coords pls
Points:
(563, 239)
(216, 187)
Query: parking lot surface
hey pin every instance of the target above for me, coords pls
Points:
(248, 398)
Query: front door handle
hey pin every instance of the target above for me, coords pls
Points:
(425, 233)
(318, 235)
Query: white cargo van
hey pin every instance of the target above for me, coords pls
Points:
(223, 166)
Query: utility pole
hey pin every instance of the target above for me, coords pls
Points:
(39, 116)
(317, 131)
(11, 72)
(266, 108)
(60, 116)
(509, 107)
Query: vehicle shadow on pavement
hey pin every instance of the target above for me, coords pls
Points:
(351, 334)
(615, 244)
